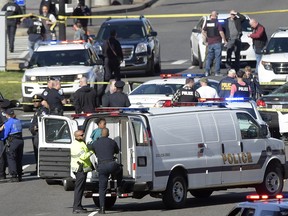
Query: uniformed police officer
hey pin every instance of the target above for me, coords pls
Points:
(113, 54)
(85, 98)
(214, 34)
(53, 100)
(13, 136)
(240, 88)
(80, 165)
(187, 93)
(3, 159)
(12, 9)
(224, 87)
(105, 148)
(36, 32)
(40, 111)
(118, 98)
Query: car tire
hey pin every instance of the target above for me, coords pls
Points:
(52, 182)
(200, 63)
(273, 181)
(201, 194)
(194, 61)
(150, 71)
(68, 185)
(109, 202)
(176, 192)
(158, 65)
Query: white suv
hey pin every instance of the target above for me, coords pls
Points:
(68, 61)
(198, 49)
(273, 66)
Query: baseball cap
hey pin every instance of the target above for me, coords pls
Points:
(37, 98)
(10, 112)
(119, 84)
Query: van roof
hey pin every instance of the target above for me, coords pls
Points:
(175, 110)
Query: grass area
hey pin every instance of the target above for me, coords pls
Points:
(10, 85)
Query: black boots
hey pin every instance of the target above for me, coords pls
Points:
(101, 210)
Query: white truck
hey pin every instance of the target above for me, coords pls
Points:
(167, 152)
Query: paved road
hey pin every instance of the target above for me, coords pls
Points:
(35, 197)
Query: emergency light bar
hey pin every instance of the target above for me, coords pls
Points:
(253, 197)
(62, 42)
(181, 75)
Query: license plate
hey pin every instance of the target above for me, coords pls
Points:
(122, 64)
(276, 106)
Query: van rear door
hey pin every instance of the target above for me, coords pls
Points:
(55, 138)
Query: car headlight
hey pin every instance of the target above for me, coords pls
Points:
(31, 78)
(98, 49)
(141, 47)
(267, 65)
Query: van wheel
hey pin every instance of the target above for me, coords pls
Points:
(201, 193)
(68, 185)
(109, 202)
(176, 192)
(273, 181)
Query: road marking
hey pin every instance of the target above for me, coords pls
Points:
(191, 67)
(179, 62)
(26, 166)
(93, 213)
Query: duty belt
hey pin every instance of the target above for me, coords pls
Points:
(15, 136)
(105, 161)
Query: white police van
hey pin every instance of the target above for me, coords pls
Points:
(167, 152)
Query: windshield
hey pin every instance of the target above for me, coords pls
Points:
(277, 45)
(281, 90)
(165, 89)
(60, 58)
(124, 31)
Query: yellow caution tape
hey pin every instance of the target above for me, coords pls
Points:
(30, 103)
(271, 109)
(272, 83)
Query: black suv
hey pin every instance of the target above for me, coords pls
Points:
(139, 43)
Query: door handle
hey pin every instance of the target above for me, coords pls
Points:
(223, 148)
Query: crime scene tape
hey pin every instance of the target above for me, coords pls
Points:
(272, 83)
(271, 109)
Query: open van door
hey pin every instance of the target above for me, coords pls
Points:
(55, 139)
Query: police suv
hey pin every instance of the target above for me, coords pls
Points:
(66, 60)
(168, 152)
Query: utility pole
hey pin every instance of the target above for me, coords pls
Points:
(62, 26)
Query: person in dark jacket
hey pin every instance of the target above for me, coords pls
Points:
(85, 98)
(36, 32)
(233, 33)
(224, 87)
(113, 54)
(259, 37)
(187, 93)
(118, 98)
(12, 9)
(253, 82)
(112, 89)
(33, 128)
(82, 10)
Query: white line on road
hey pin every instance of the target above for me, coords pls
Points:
(93, 213)
(179, 62)
(26, 166)
(190, 68)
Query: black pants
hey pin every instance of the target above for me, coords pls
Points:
(233, 46)
(14, 157)
(105, 170)
(11, 31)
(79, 189)
(35, 141)
(112, 66)
(3, 160)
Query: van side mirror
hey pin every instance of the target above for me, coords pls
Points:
(263, 130)
(23, 65)
(153, 34)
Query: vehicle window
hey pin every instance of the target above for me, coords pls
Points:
(273, 213)
(60, 58)
(248, 212)
(200, 24)
(165, 89)
(57, 131)
(141, 135)
(248, 126)
(235, 212)
(148, 27)
(277, 45)
(208, 127)
(281, 90)
(92, 55)
(128, 31)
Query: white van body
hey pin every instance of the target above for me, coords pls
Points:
(166, 152)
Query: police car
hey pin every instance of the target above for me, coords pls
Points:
(273, 67)
(67, 60)
(159, 92)
(261, 205)
(198, 48)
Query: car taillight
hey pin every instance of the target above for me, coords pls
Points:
(261, 103)
(163, 103)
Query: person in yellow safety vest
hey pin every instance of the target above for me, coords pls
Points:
(80, 165)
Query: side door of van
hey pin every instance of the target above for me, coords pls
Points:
(55, 138)
(253, 148)
(230, 148)
(142, 164)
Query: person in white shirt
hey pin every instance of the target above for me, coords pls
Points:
(48, 23)
(206, 91)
